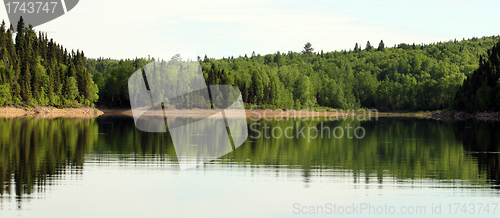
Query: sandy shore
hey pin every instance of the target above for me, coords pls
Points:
(49, 112)
(87, 112)
(254, 114)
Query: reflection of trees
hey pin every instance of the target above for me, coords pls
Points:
(402, 148)
(398, 148)
(481, 139)
(34, 152)
(122, 137)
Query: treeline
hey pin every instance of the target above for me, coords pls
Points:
(403, 77)
(36, 71)
(481, 90)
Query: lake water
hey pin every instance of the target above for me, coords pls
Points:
(105, 167)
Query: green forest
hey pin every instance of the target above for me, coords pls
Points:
(481, 90)
(457, 74)
(403, 77)
(35, 71)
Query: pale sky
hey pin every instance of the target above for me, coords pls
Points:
(128, 29)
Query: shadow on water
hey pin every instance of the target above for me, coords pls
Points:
(37, 153)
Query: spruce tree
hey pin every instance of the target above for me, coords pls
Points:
(368, 46)
(381, 46)
(20, 37)
(3, 42)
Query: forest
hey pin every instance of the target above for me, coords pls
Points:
(458, 74)
(481, 90)
(36, 71)
(405, 77)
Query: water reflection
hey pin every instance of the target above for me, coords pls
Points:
(393, 149)
(481, 141)
(34, 153)
(403, 152)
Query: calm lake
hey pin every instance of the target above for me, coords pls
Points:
(105, 167)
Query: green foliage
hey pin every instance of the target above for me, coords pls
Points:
(35, 70)
(404, 77)
(308, 49)
(298, 105)
(72, 92)
(94, 94)
(5, 96)
(110, 79)
(483, 96)
(481, 90)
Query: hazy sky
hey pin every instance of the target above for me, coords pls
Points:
(126, 29)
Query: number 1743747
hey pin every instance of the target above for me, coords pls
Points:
(472, 208)
(31, 7)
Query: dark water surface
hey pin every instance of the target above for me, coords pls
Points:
(105, 167)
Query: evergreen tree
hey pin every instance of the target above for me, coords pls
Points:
(36, 70)
(368, 46)
(481, 90)
(308, 49)
(381, 46)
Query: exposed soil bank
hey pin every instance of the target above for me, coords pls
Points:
(257, 114)
(49, 112)
(268, 114)
(88, 112)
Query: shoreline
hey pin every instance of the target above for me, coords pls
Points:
(268, 114)
(88, 112)
(48, 112)
(461, 115)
